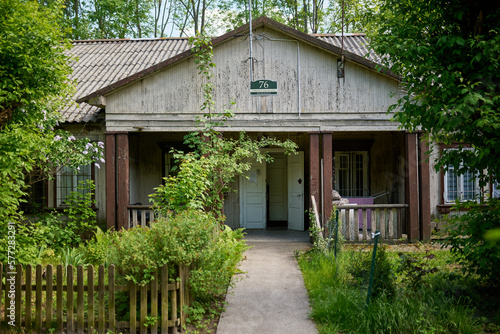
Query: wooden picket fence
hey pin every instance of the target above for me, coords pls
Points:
(38, 306)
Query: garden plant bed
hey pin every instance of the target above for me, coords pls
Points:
(423, 290)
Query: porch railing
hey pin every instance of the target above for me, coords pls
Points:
(140, 215)
(358, 221)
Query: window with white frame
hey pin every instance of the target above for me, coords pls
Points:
(351, 173)
(464, 187)
(67, 181)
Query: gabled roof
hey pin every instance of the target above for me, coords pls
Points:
(107, 65)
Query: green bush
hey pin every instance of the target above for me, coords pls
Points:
(191, 238)
(383, 277)
(465, 235)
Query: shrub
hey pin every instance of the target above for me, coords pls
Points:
(466, 239)
(191, 238)
(383, 277)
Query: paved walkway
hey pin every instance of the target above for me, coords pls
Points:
(269, 297)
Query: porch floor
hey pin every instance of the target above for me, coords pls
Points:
(276, 235)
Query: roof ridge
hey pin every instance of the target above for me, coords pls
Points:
(116, 40)
(340, 35)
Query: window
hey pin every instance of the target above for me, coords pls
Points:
(495, 191)
(463, 187)
(169, 163)
(68, 181)
(351, 173)
(36, 196)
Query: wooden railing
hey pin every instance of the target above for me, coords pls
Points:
(358, 221)
(44, 301)
(140, 215)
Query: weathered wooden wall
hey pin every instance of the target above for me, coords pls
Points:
(169, 99)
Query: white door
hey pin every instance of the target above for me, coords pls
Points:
(253, 197)
(295, 171)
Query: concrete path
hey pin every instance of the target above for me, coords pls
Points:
(270, 296)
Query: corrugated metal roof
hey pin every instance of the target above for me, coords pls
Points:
(355, 43)
(101, 63)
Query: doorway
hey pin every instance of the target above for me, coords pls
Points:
(277, 192)
(272, 195)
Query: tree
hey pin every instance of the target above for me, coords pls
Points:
(34, 87)
(447, 53)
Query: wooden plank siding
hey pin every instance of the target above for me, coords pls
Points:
(168, 100)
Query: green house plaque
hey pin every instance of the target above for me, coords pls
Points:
(263, 87)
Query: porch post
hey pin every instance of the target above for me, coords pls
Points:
(425, 193)
(122, 165)
(314, 171)
(110, 149)
(327, 175)
(412, 195)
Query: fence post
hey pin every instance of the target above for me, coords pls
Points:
(28, 284)
(49, 299)
(375, 235)
(101, 319)
(90, 299)
(111, 298)
(59, 296)
(38, 298)
(164, 299)
(79, 300)
(133, 307)
(19, 291)
(69, 297)
(154, 302)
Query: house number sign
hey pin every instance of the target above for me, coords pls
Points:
(263, 87)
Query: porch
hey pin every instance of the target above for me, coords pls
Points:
(391, 163)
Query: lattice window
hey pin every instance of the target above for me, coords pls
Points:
(67, 180)
(351, 173)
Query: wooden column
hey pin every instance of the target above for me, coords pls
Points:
(327, 175)
(314, 169)
(412, 187)
(110, 149)
(424, 191)
(122, 168)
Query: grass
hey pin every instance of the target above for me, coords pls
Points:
(438, 301)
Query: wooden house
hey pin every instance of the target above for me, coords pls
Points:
(141, 97)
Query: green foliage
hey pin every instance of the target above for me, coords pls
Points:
(338, 307)
(186, 190)
(447, 54)
(96, 250)
(191, 238)
(33, 63)
(55, 231)
(413, 269)
(465, 235)
(34, 86)
(383, 277)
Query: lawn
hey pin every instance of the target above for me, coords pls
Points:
(416, 289)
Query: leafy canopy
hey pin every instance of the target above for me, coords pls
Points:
(447, 53)
(34, 86)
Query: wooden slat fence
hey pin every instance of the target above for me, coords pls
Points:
(140, 215)
(45, 300)
(358, 221)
